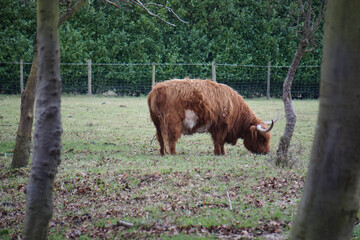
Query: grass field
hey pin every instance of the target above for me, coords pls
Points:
(111, 170)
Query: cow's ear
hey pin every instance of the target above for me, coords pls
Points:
(253, 132)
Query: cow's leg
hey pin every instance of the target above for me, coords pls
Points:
(159, 134)
(161, 141)
(218, 137)
(165, 136)
(168, 135)
(219, 149)
(222, 148)
(174, 135)
(174, 129)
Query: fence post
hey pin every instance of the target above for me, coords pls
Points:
(89, 77)
(213, 70)
(21, 75)
(153, 75)
(268, 82)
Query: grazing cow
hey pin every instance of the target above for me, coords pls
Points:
(187, 106)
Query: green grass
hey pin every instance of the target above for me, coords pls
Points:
(111, 170)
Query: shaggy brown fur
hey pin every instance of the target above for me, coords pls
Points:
(187, 106)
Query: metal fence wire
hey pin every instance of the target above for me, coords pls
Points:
(136, 79)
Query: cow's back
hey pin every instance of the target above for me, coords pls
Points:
(211, 102)
(175, 96)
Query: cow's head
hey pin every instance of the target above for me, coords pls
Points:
(258, 138)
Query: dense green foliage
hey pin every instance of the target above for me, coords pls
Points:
(230, 31)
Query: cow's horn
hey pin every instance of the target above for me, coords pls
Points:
(265, 130)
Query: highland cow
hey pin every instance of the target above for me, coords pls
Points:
(188, 106)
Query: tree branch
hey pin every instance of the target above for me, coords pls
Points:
(307, 16)
(140, 4)
(144, 6)
(301, 6)
(320, 17)
(71, 11)
(112, 3)
(311, 22)
(169, 10)
(310, 50)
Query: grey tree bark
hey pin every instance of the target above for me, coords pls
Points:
(306, 35)
(48, 128)
(330, 201)
(290, 115)
(23, 137)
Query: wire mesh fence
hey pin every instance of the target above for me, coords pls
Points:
(136, 79)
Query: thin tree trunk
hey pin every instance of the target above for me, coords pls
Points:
(48, 129)
(290, 115)
(306, 34)
(330, 201)
(23, 136)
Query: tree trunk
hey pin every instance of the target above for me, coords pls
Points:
(23, 137)
(48, 130)
(290, 115)
(330, 201)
